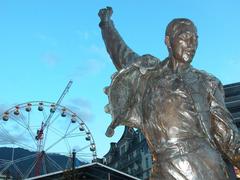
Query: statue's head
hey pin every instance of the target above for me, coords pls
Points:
(181, 39)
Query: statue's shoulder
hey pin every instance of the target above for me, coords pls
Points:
(146, 62)
(208, 78)
(127, 86)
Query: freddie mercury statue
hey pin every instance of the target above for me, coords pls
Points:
(179, 109)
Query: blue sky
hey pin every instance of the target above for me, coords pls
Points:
(44, 44)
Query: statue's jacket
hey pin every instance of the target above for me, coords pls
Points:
(185, 110)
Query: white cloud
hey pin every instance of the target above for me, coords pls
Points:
(95, 66)
(81, 102)
(46, 39)
(86, 34)
(97, 49)
(234, 62)
(83, 35)
(50, 59)
(89, 44)
(91, 67)
(100, 51)
(82, 108)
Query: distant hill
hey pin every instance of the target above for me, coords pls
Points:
(51, 161)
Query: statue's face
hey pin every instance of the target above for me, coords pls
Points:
(184, 44)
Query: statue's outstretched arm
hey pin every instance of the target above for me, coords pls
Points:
(119, 52)
(225, 132)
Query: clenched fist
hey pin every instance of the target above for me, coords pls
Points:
(105, 14)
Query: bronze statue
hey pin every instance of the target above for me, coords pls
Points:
(179, 109)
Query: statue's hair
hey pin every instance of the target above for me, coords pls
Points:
(175, 25)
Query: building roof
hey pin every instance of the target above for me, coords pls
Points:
(93, 171)
(232, 85)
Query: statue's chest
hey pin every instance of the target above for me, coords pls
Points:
(171, 93)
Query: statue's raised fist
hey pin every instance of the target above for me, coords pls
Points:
(105, 14)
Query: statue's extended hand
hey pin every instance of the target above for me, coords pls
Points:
(105, 14)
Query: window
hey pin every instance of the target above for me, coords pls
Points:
(147, 162)
(109, 159)
(130, 156)
(104, 160)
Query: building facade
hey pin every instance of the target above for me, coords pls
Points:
(131, 154)
(232, 100)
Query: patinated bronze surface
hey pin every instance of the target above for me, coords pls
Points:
(179, 109)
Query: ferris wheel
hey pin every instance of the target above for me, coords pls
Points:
(40, 137)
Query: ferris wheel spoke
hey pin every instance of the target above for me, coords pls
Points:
(7, 136)
(32, 136)
(75, 135)
(13, 153)
(56, 131)
(53, 120)
(27, 124)
(47, 127)
(8, 163)
(71, 131)
(28, 119)
(54, 163)
(31, 167)
(6, 167)
(24, 146)
(44, 115)
(4, 162)
(18, 170)
(17, 121)
(56, 142)
(68, 145)
(67, 128)
(21, 124)
(45, 138)
(81, 149)
(23, 118)
(25, 158)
